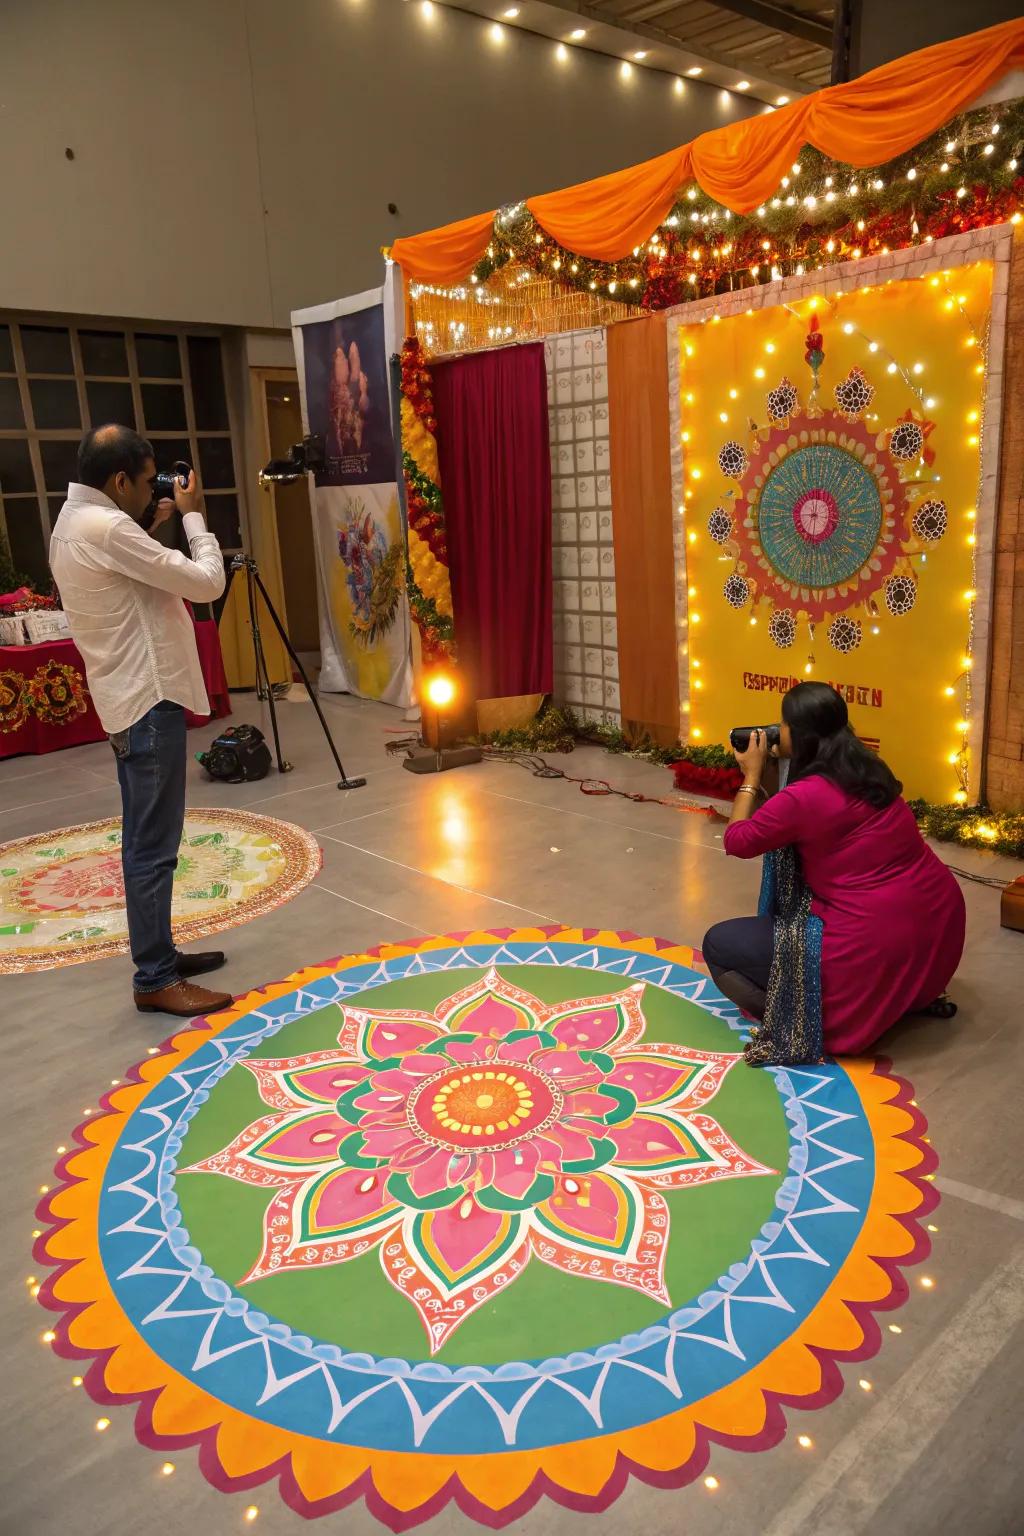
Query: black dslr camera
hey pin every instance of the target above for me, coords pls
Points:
(739, 737)
(164, 480)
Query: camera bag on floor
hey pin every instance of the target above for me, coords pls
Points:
(239, 755)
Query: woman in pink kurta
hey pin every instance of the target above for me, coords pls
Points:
(892, 913)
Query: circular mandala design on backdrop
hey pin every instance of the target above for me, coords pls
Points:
(62, 892)
(820, 516)
(900, 595)
(854, 394)
(906, 441)
(930, 521)
(732, 460)
(736, 591)
(844, 634)
(782, 628)
(783, 401)
(720, 525)
(475, 1218)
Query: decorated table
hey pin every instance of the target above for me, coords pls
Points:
(45, 703)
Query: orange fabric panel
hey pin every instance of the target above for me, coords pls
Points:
(645, 599)
(444, 255)
(862, 122)
(617, 212)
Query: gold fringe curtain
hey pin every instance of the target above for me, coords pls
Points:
(516, 304)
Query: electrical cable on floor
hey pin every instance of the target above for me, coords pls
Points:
(994, 881)
(542, 769)
(534, 763)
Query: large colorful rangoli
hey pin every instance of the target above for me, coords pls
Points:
(62, 893)
(481, 1218)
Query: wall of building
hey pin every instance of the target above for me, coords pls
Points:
(235, 160)
(885, 29)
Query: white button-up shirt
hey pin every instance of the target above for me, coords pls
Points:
(122, 593)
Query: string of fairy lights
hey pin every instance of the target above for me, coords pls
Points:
(967, 176)
(959, 689)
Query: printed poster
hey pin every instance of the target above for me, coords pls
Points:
(342, 354)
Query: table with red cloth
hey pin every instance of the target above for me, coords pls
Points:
(45, 703)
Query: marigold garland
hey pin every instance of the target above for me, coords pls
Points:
(429, 586)
(968, 175)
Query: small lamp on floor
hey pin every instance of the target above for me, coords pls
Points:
(440, 693)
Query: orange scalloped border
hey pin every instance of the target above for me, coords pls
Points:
(404, 1488)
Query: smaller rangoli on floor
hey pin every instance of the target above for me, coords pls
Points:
(62, 892)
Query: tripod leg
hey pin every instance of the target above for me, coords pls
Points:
(262, 673)
(345, 782)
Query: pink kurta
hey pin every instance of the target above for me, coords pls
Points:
(894, 915)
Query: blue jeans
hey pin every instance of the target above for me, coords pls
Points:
(151, 758)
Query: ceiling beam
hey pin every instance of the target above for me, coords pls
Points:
(778, 19)
(685, 53)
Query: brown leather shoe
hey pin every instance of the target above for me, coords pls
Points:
(182, 999)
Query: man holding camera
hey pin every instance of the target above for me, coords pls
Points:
(123, 593)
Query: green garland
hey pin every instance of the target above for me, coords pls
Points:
(972, 826)
(813, 220)
(430, 492)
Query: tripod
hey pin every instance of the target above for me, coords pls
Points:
(254, 583)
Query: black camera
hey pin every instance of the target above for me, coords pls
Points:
(305, 458)
(739, 738)
(164, 481)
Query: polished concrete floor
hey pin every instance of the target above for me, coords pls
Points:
(935, 1446)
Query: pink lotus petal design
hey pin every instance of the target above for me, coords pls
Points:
(468, 1141)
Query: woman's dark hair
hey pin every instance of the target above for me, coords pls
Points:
(824, 744)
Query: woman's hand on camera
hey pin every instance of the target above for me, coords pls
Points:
(752, 761)
(186, 497)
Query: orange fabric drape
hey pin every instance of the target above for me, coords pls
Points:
(863, 122)
(645, 597)
(444, 255)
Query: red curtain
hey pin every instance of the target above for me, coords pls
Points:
(495, 461)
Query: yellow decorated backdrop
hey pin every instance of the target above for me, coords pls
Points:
(832, 537)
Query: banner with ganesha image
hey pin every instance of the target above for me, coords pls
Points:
(341, 352)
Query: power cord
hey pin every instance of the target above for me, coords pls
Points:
(542, 769)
